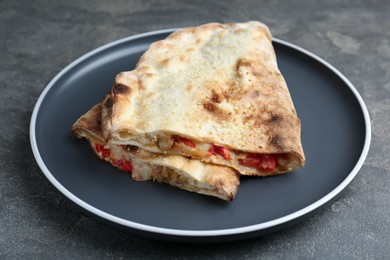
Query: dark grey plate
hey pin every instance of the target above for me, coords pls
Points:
(335, 134)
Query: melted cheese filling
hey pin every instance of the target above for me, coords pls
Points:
(204, 151)
(113, 154)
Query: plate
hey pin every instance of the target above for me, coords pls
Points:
(336, 134)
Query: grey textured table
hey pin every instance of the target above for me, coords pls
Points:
(39, 38)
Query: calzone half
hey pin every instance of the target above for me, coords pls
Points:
(212, 92)
(178, 171)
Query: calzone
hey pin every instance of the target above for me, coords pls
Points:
(181, 172)
(212, 92)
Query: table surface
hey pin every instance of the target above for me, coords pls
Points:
(39, 38)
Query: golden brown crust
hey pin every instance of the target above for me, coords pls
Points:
(216, 84)
(89, 122)
(184, 173)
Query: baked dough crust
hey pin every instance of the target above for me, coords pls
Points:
(214, 84)
(178, 171)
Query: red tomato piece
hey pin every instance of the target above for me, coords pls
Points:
(186, 141)
(118, 163)
(127, 167)
(260, 161)
(222, 151)
(104, 153)
(123, 164)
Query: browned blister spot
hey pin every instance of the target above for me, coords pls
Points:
(243, 63)
(108, 102)
(221, 35)
(210, 107)
(241, 30)
(256, 67)
(234, 92)
(161, 45)
(215, 111)
(247, 118)
(148, 75)
(121, 89)
(275, 119)
(191, 30)
(215, 97)
(165, 62)
(256, 120)
(277, 142)
(96, 126)
(141, 84)
(190, 87)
